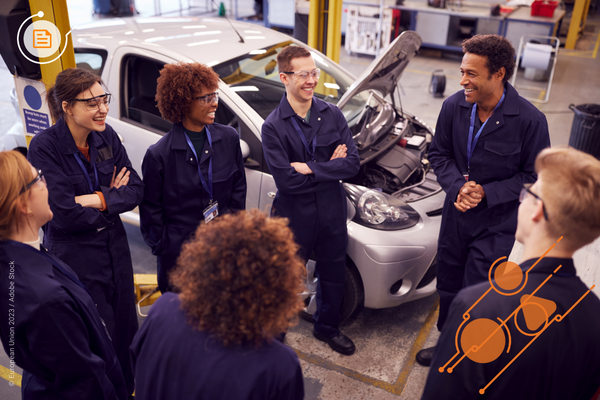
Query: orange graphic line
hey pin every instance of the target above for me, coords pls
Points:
(544, 255)
(557, 318)
(449, 361)
(508, 332)
(481, 298)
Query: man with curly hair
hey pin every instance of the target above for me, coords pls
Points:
(238, 281)
(194, 172)
(483, 151)
(309, 149)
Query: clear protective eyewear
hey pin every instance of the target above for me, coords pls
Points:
(94, 103)
(527, 190)
(38, 178)
(315, 73)
(209, 98)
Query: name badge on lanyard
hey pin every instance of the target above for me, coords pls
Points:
(212, 210)
(471, 143)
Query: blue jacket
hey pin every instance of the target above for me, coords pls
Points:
(503, 159)
(174, 199)
(297, 194)
(563, 362)
(56, 335)
(53, 151)
(173, 360)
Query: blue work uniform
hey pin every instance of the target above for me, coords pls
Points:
(503, 160)
(562, 360)
(92, 242)
(174, 360)
(52, 330)
(315, 204)
(174, 197)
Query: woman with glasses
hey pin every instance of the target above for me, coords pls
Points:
(91, 182)
(195, 172)
(50, 326)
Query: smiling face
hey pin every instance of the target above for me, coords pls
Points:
(200, 113)
(87, 116)
(300, 90)
(480, 86)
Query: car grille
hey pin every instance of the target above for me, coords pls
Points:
(429, 275)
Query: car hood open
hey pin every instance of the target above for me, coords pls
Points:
(384, 72)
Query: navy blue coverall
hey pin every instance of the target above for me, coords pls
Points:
(174, 198)
(315, 204)
(173, 360)
(562, 363)
(503, 160)
(92, 242)
(51, 329)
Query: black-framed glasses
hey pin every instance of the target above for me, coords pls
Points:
(527, 189)
(315, 73)
(38, 178)
(94, 103)
(209, 98)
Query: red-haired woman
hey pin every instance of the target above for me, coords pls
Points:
(91, 182)
(50, 326)
(195, 171)
(238, 282)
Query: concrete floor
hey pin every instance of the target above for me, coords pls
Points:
(387, 340)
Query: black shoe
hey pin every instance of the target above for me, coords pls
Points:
(340, 343)
(424, 356)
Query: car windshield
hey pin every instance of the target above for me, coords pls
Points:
(255, 78)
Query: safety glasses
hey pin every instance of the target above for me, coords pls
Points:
(527, 189)
(209, 98)
(38, 178)
(94, 103)
(315, 73)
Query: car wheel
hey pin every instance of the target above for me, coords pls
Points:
(353, 292)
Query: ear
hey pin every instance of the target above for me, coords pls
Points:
(284, 78)
(65, 107)
(500, 74)
(538, 211)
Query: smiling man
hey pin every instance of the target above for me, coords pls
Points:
(193, 173)
(309, 148)
(483, 151)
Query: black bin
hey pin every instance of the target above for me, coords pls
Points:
(585, 131)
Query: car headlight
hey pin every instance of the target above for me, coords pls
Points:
(379, 210)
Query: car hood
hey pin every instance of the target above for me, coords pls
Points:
(384, 72)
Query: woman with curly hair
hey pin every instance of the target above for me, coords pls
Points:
(238, 283)
(50, 325)
(194, 172)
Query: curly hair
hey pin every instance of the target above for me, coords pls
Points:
(498, 50)
(239, 278)
(177, 85)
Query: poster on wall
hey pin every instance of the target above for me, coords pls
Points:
(34, 110)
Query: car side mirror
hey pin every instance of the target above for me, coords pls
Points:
(270, 67)
(245, 150)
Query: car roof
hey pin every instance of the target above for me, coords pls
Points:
(208, 40)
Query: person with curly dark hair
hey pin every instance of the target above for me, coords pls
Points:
(483, 151)
(238, 281)
(193, 173)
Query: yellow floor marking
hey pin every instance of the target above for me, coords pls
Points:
(10, 376)
(398, 386)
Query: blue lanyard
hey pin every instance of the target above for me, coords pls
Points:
(304, 141)
(206, 187)
(85, 173)
(52, 259)
(472, 143)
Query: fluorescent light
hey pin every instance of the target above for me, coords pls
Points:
(258, 51)
(204, 42)
(331, 85)
(244, 89)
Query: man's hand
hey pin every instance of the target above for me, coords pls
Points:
(302, 168)
(469, 196)
(121, 180)
(339, 152)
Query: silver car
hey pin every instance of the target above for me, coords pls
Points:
(395, 202)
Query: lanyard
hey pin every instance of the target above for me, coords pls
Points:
(85, 173)
(53, 260)
(472, 143)
(304, 141)
(206, 187)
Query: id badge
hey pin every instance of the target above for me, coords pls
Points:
(466, 176)
(211, 212)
